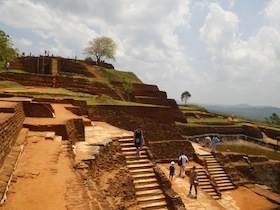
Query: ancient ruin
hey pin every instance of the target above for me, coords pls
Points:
(60, 152)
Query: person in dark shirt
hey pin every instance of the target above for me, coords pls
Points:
(138, 140)
(171, 171)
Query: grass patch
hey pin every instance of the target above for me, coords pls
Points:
(248, 149)
(192, 107)
(9, 84)
(120, 76)
(15, 71)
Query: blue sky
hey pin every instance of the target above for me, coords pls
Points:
(222, 51)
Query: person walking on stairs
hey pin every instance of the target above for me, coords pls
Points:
(193, 181)
(138, 140)
(183, 160)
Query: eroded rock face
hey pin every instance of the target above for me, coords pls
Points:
(266, 173)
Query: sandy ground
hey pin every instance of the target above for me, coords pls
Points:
(40, 180)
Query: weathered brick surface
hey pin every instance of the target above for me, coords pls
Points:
(75, 130)
(10, 127)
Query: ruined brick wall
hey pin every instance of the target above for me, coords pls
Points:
(190, 131)
(75, 130)
(270, 132)
(10, 126)
(166, 151)
(157, 122)
(252, 131)
(37, 109)
(70, 83)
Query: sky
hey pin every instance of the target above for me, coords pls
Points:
(223, 52)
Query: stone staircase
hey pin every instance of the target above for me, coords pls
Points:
(205, 184)
(148, 192)
(217, 172)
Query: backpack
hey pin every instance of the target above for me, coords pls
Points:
(180, 162)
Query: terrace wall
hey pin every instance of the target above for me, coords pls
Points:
(10, 126)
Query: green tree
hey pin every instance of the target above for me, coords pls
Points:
(127, 88)
(273, 119)
(7, 51)
(101, 48)
(185, 96)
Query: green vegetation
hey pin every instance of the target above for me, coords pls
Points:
(101, 48)
(120, 76)
(273, 119)
(192, 107)
(249, 150)
(185, 96)
(7, 51)
(9, 84)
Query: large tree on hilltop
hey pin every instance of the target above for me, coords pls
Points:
(7, 51)
(185, 96)
(101, 48)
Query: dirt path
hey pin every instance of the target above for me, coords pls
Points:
(42, 177)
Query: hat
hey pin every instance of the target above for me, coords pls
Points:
(172, 163)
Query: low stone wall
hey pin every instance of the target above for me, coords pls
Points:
(166, 151)
(271, 133)
(10, 127)
(37, 109)
(59, 130)
(75, 130)
(252, 131)
(157, 122)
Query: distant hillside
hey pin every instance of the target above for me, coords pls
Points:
(244, 110)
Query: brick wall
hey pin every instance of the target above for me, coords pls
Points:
(157, 122)
(10, 127)
(75, 130)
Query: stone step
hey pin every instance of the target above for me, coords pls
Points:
(128, 149)
(135, 171)
(214, 166)
(128, 140)
(57, 138)
(212, 193)
(203, 180)
(129, 153)
(141, 165)
(148, 192)
(50, 136)
(215, 169)
(223, 181)
(153, 205)
(217, 172)
(219, 175)
(137, 161)
(150, 198)
(144, 180)
(133, 157)
(204, 183)
(147, 186)
(209, 190)
(215, 197)
(211, 161)
(143, 175)
(129, 144)
(226, 188)
(227, 184)
(205, 186)
(202, 176)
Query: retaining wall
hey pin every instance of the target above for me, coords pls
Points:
(10, 126)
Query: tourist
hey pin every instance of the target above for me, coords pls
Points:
(7, 66)
(207, 141)
(193, 180)
(53, 82)
(171, 171)
(215, 140)
(183, 160)
(138, 140)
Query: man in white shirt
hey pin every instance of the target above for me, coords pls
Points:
(184, 160)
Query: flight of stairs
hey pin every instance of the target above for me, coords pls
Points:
(205, 184)
(217, 172)
(148, 192)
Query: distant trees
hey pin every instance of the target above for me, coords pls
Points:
(185, 96)
(273, 119)
(101, 48)
(7, 51)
